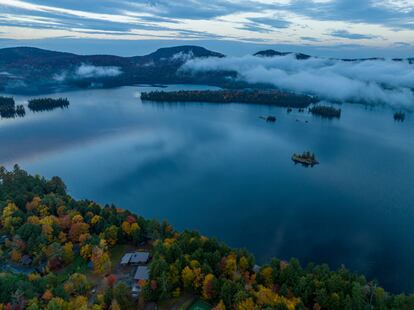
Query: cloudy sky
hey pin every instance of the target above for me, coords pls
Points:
(234, 26)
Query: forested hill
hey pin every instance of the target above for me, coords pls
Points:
(60, 253)
(33, 70)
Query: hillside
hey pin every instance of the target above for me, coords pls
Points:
(60, 253)
(33, 70)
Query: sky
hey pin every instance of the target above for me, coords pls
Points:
(345, 28)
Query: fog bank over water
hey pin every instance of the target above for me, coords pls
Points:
(372, 81)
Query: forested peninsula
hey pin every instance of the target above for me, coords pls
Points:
(61, 253)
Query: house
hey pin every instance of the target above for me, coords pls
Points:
(142, 273)
(125, 259)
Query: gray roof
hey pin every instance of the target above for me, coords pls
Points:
(125, 259)
(139, 257)
(142, 273)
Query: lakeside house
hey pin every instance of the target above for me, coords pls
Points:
(141, 274)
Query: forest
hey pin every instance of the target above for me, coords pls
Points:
(67, 245)
(266, 97)
(325, 111)
(47, 104)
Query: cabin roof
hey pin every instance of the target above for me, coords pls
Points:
(142, 273)
(126, 258)
(139, 257)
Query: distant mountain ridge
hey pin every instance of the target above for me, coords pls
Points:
(34, 70)
(29, 70)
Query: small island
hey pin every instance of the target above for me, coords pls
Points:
(266, 97)
(325, 111)
(8, 108)
(269, 118)
(306, 158)
(399, 116)
(47, 104)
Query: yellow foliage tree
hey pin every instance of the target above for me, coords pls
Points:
(79, 303)
(77, 219)
(220, 306)
(126, 228)
(208, 289)
(68, 252)
(243, 264)
(86, 251)
(230, 265)
(101, 261)
(8, 220)
(247, 304)
(187, 276)
(135, 227)
(267, 274)
(96, 219)
(266, 297)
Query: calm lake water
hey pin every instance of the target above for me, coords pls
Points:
(219, 169)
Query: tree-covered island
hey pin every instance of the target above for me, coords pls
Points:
(47, 104)
(325, 111)
(306, 158)
(267, 97)
(61, 253)
(399, 116)
(9, 109)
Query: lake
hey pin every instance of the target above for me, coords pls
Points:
(219, 169)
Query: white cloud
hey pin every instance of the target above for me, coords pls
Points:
(372, 81)
(89, 71)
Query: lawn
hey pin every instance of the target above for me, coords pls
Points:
(181, 303)
(200, 305)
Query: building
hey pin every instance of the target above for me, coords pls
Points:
(126, 258)
(139, 258)
(135, 258)
(142, 273)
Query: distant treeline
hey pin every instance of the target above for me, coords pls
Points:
(47, 104)
(8, 108)
(268, 97)
(325, 111)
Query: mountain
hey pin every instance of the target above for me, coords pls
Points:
(33, 70)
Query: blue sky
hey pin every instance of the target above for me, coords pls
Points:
(327, 27)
